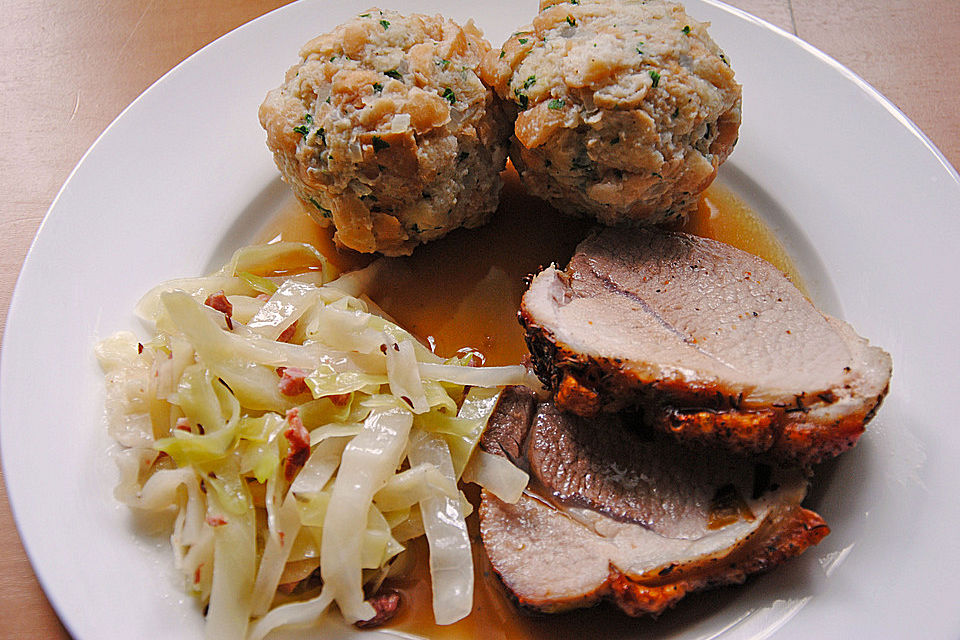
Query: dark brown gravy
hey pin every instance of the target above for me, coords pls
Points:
(464, 291)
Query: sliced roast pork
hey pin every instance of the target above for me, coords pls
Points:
(714, 344)
(625, 514)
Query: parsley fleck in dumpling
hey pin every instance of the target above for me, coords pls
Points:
(624, 109)
(385, 130)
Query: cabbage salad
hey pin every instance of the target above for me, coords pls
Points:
(301, 439)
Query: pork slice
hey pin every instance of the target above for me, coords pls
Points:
(716, 345)
(602, 465)
(552, 562)
(642, 523)
(507, 428)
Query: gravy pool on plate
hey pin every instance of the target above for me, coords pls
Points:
(464, 291)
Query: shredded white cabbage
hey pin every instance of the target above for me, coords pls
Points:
(234, 570)
(367, 463)
(497, 475)
(301, 438)
(451, 562)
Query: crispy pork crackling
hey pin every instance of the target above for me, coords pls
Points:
(714, 344)
(629, 515)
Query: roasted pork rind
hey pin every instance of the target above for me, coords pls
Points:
(385, 130)
(623, 110)
(715, 345)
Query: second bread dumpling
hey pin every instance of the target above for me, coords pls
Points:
(385, 130)
(624, 109)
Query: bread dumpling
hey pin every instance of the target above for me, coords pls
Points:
(623, 110)
(385, 130)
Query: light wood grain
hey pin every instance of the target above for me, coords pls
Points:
(776, 12)
(907, 49)
(68, 68)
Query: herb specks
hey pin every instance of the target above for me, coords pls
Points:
(304, 129)
(326, 213)
(522, 98)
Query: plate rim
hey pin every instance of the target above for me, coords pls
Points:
(14, 493)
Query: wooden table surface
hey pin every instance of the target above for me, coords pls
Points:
(68, 68)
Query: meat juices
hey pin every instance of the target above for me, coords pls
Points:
(640, 524)
(714, 344)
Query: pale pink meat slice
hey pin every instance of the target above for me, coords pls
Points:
(715, 344)
(631, 516)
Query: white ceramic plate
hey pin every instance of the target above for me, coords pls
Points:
(863, 201)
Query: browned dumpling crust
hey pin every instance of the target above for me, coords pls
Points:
(623, 109)
(385, 130)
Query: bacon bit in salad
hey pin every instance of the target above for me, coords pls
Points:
(340, 399)
(196, 574)
(288, 587)
(308, 582)
(216, 521)
(292, 381)
(219, 302)
(183, 424)
(287, 334)
(299, 439)
(386, 604)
